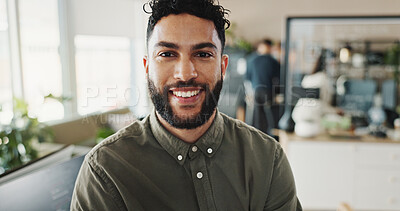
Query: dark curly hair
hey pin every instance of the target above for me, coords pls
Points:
(205, 9)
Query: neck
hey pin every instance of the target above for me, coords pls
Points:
(187, 135)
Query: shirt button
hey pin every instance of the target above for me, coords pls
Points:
(209, 150)
(194, 149)
(180, 157)
(199, 175)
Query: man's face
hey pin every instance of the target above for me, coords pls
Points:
(185, 69)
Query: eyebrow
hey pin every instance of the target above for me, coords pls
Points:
(167, 45)
(195, 47)
(204, 45)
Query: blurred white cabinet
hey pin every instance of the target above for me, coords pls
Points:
(327, 173)
(377, 177)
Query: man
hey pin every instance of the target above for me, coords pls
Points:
(263, 71)
(186, 155)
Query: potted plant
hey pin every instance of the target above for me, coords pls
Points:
(17, 138)
(237, 44)
(392, 58)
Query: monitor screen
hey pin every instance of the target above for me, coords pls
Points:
(46, 189)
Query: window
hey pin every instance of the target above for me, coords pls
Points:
(95, 75)
(40, 41)
(102, 72)
(5, 72)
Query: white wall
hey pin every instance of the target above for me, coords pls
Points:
(257, 19)
(106, 17)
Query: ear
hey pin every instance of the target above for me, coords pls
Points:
(146, 64)
(224, 64)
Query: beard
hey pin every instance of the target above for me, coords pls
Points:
(164, 108)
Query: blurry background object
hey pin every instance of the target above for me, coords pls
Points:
(307, 115)
(344, 207)
(345, 53)
(263, 71)
(349, 159)
(18, 138)
(377, 117)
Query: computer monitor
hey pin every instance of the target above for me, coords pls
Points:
(58, 156)
(46, 189)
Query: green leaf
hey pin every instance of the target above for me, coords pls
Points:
(60, 99)
(104, 132)
(31, 129)
(20, 106)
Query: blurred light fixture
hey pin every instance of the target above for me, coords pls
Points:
(358, 60)
(345, 54)
(241, 66)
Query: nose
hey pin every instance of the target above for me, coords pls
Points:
(185, 70)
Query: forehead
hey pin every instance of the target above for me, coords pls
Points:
(184, 29)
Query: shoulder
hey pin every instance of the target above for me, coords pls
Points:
(131, 134)
(271, 59)
(265, 59)
(251, 56)
(241, 132)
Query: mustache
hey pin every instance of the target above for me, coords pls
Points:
(183, 84)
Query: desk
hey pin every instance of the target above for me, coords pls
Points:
(363, 172)
(49, 154)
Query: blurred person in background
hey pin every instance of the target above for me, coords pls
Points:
(263, 70)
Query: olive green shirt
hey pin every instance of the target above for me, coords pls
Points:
(144, 167)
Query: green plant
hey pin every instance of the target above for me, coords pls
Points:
(237, 42)
(103, 133)
(60, 99)
(244, 45)
(392, 58)
(16, 139)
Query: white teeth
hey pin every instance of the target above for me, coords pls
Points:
(186, 94)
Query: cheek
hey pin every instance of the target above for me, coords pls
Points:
(157, 74)
(209, 70)
(213, 74)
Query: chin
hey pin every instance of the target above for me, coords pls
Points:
(186, 113)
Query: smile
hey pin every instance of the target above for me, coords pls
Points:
(186, 94)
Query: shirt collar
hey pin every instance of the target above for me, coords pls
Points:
(208, 143)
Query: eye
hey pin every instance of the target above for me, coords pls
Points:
(204, 54)
(166, 54)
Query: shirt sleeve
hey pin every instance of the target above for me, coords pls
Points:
(94, 191)
(282, 193)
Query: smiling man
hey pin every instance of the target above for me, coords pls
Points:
(185, 68)
(186, 155)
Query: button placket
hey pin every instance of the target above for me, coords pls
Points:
(201, 182)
